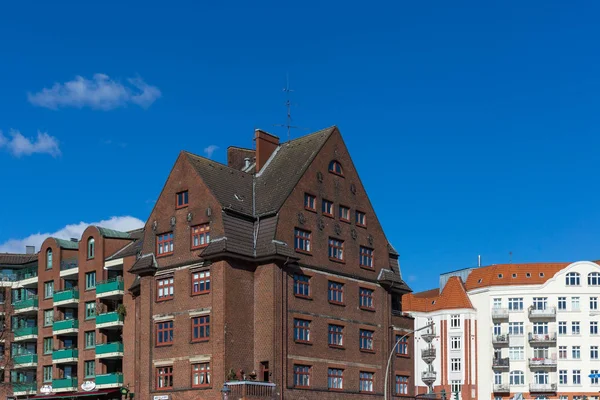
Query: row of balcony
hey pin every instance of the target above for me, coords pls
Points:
(534, 362)
(533, 338)
(112, 350)
(533, 388)
(533, 312)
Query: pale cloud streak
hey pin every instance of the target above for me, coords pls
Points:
(123, 223)
(100, 93)
(19, 145)
(210, 150)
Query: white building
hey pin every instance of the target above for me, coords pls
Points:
(510, 329)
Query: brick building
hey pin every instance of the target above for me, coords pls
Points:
(270, 275)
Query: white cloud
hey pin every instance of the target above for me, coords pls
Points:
(210, 150)
(124, 223)
(19, 145)
(101, 92)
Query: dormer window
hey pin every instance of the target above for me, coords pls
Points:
(336, 168)
(182, 199)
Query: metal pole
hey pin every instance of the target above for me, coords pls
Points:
(387, 369)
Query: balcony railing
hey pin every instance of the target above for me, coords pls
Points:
(540, 362)
(502, 388)
(69, 296)
(109, 350)
(26, 273)
(500, 339)
(428, 376)
(109, 319)
(65, 355)
(28, 331)
(251, 390)
(65, 326)
(23, 388)
(68, 264)
(23, 360)
(31, 302)
(544, 338)
(547, 312)
(542, 387)
(428, 353)
(109, 380)
(500, 362)
(110, 286)
(499, 313)
(64, 384)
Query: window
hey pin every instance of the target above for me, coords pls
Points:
(366, 380)
(572, 279)
(90, 280)
(165, 289)
(164, 244)
(497, 329)
(593, 327)
(48, 317)
(562, 377)
(344, 213)
(336, 168)
(402, 347)
(302, 376)
(497, 378)
(496, 303)
(47, 373)
(301, 330)
(594, 279)
(517, 378)
(575, 328)
(200, 236)
(562, 327)
(516, 353)
(89, 369)
(540, 303)
(455, 386)
(302, 286)
(455, 365)
(562, 352)
(335, 293)
(201, 328)
(515, 304)
(90, 339)
(90, 310)
(593, 303)
(576, 352)
(594, 352)
(302, 240)
(515, 328)
(366, 340)
(200, 282)
(336, 336)
(310, 202)
(361, 218)
(336, 249)
(327, 208)
(164, 333)
(49, 259)
(335, 378)
(366, 257)
(48, 349)
(540, 328)
(576, 377)
(201, 375)
(366, 299)
(594, 381)
(455, 343)
(575, 304)
(455, 321)
(91, 248)
(401, 384)
(48, 289)
(562, 303)
(164, 377)
(182, 199)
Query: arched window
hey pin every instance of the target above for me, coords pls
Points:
(517, 378)
(49, 259)
(336, 168)
(91, 248)
(594, 279)
(572, 279)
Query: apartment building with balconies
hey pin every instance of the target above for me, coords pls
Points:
(537, 329)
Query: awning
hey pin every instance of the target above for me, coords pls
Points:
(68, 395)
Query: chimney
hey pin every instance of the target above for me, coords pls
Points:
(479, 261)
(29, 249)
(265, 146)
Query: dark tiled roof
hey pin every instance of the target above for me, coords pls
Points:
(113, 234)
(67, 244)
(135, 285)
(393, 279)
(130, 249)
(145, 263)
(17, 259)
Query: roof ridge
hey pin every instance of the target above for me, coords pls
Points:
(216, 162)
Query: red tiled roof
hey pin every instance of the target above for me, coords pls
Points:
(453, 296)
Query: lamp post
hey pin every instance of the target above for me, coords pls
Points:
(225, 392)
(387, 368)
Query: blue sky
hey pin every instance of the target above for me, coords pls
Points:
(474, 125)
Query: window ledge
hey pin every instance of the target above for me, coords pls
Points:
(367, 351)
(303, 297)
(303, 342)
(305, 252)
(337, 260)
(337, 303)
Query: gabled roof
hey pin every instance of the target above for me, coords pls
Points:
(17, 259)
(146, 263)
(454, 296)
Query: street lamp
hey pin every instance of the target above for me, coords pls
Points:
(387, 369)
(225, 392)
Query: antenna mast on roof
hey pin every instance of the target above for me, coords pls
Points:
(510, 257)
(288, 105)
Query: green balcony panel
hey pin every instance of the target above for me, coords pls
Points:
(66, 295)
(24, 386)
(109, 379)
(111, 285)
(107, 348)
(27, 273)
(25, 359)
(25, 331)
(64, 353)
(27, 303)
(108, 318)
(65, 324)
(64, 383)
